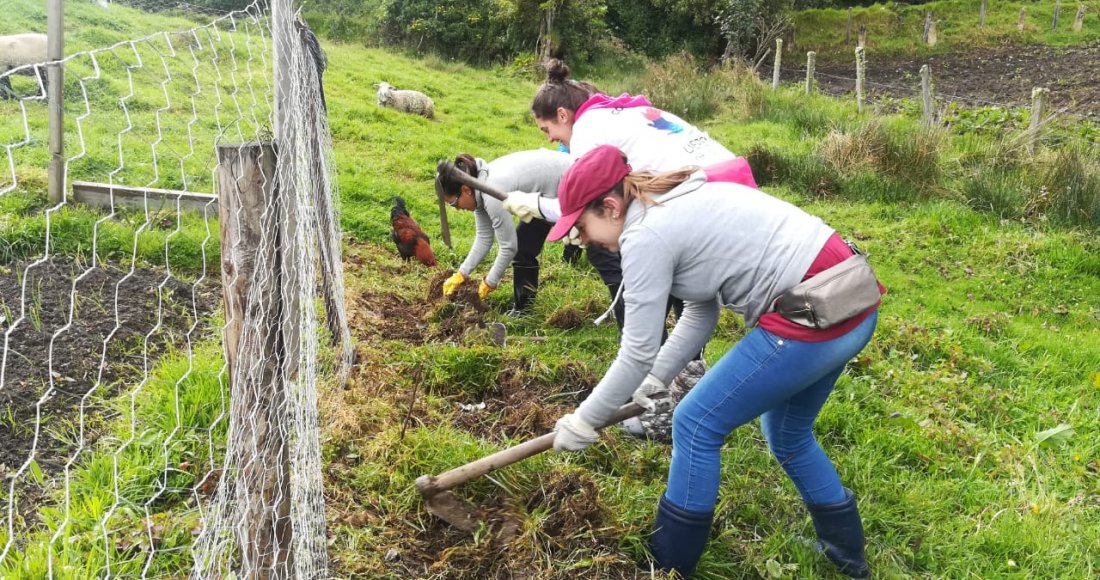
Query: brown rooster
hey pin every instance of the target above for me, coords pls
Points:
(410, 239)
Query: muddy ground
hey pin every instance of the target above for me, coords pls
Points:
(978, 77)
(563, 517)
(113, 311)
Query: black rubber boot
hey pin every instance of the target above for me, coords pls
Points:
(525, 285)
(840, 535)
(679, 536)
(570, 254)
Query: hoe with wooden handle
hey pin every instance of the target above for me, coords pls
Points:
(444, 504)
(447, 169)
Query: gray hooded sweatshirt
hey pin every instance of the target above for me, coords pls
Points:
(537, 170)
(713, 245)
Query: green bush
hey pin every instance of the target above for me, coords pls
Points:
(679, 85)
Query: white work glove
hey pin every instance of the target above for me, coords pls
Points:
(573, 238)
(652, 395)
(524, 205)
(573, 434)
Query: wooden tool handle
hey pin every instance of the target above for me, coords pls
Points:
(449, 170)
(430, 485)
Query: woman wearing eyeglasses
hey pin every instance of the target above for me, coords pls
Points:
(536, 172)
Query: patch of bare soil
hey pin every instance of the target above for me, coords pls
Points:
(520, 407)
(1004, 74)
(50, 364)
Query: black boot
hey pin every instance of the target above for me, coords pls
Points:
(679, 536)
(840, 535)
(570, 254)
(525, 285)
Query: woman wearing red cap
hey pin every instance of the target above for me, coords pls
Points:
(810, 301)
(578, 117)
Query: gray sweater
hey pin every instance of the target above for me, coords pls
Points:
(537, 170)
(713, 245)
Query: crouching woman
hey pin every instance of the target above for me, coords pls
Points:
(810, 300)
(532, 173)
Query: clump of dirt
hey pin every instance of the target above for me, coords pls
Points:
(565, 318)
(520, 407)
(574, 506)
(388, 316)
(457, 313)
(125, 317)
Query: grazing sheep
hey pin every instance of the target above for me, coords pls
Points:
(17, 50)
(413, 102)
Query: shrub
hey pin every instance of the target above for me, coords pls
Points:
(680, 86)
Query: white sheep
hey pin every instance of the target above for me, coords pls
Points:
(17, 50)
(413, 102)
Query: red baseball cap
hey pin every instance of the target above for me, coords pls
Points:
(591, 176)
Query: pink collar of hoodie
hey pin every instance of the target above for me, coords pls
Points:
(602, 101)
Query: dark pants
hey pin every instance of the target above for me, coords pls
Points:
(530, 239)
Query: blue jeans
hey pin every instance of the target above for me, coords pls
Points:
(785, 383)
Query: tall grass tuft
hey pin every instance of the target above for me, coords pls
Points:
(1072, 179)
(681, 86)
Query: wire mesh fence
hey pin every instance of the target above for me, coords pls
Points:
(148, 430)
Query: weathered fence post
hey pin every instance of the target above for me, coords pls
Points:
(862, 36)
(1057, 9)
(927, 25)
(861, 71)
(1079, 20)
(1022, 23)
(933, 35)
(928, 113)
(55, 73)
(811, 57)
(1038, 103)
(778, 61)
(848, 28)
(981, 15)
(252, 230)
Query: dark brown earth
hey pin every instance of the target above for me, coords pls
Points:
(114, 310)
(563, 515)
(1002, 75)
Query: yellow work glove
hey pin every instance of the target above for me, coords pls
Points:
(484, 289)
(452, 283)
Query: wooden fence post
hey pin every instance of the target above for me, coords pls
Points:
(1022, 23)
(1038, 103)
(861, 70)
(848, 28)
(927, 25)
(811, 58)
(928, 116)
(778, 61)
(1057, 9)
(253, 229)
(981, 15)
(862, 36)
(55, 100)
(1079, 20)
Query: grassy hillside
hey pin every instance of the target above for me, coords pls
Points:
(894, 29)
(988, 340)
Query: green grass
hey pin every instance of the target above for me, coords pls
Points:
(894, 29)
(987, 340)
